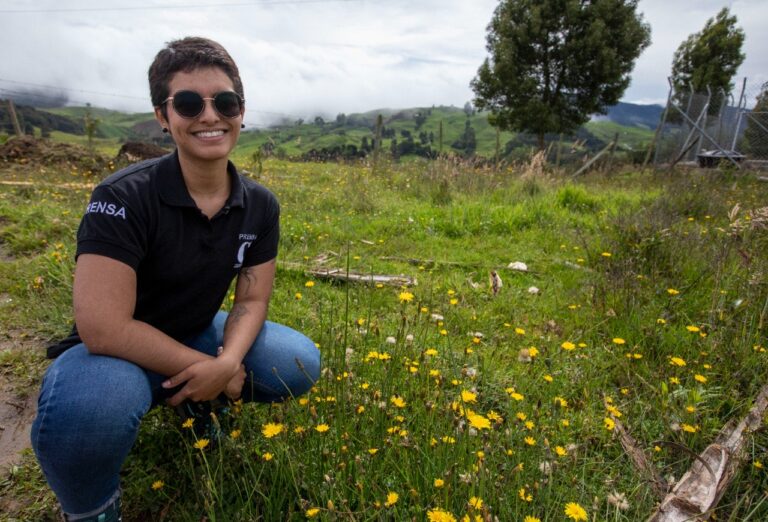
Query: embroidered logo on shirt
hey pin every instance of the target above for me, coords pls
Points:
(102, 207)
(241, 253)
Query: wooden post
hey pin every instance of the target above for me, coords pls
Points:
(498, 147)
(377, 142)
(441, 137)
(14, 119)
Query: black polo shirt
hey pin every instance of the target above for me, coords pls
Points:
(144, 217)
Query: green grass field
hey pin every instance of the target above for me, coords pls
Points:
(644, 304)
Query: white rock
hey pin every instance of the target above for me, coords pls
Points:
(533, 290)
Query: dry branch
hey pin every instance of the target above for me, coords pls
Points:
(344, 275)
(702, 487)
(640, 459)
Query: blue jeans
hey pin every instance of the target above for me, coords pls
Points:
(90, 407)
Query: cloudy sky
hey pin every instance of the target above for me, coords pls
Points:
(300, 58)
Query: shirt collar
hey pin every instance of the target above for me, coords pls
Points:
(173, 190)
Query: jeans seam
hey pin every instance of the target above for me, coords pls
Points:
(44, 413)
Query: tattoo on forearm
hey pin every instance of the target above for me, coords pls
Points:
(237, 312)
(249, 274)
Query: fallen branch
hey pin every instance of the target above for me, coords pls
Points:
(640, 459)
(702, 487)
(341, 274)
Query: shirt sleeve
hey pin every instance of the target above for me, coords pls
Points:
(111, 228)
(264, 248)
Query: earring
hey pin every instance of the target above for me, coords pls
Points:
(165, 130)
(242, 125)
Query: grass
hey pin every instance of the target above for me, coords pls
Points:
(443, 398)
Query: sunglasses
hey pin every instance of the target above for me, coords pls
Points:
(189, 104)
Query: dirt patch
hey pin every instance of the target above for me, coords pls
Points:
(134, 151)
(28, 150)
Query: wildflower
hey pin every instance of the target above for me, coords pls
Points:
(454, 301)
(677, 361)
(533, 351)
(430, 352)
(606, 254)
(692, 329)
(561, 402)
(672, 291)
(298, 430)
(298, 296)
(475, 503)
(439, 483)
(438, 515)
(661, 321)
(397, 401)
(548, 378)
(524, 496)
(479, 422)
(392, 498)
(468, 396)
(267, 457)
(700, 378)
(373, 451)
(618, 340)
(405, 297)
(495, 417)
(271, 429)
(234, 434)
(322, 428)
(519, 331)
(567, 345)
(757, 464)
(609, 423)
(312, 512)
(531, 519)
(674, 380)
(688, 428)
(530, 441)
(188, 423)
(158, 484)
(517, 396)
(560, 451)
(575, 511)
(201, 444)
(309, 284)
(619, 500)
(390, 340)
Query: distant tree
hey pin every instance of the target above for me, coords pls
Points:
(319, 121)
(420, 118)
(405, 133)
(364, 146)
(756, 134)
(469, 110)
(341, 119)
(299, 122)
(554, 63)
(709, 58)
(467, 142)
(91, 124)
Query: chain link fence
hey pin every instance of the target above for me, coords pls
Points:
(714, 126)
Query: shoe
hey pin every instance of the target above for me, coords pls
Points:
(110, 514)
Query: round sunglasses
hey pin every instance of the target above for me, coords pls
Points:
(189, 104)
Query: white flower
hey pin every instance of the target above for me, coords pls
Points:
(437, 317)
(533, 290)
(409, 338)
(390, 340)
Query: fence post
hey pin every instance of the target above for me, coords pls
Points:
(14, 118)
(653, 149)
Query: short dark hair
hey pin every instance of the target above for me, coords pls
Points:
(188, 54)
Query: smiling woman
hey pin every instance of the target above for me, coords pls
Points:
(157, 249)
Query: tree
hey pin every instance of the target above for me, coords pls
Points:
(554, 63)
(91, 124)
(709, 58)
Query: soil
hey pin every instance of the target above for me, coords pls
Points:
(29, 150)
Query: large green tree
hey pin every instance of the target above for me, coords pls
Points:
(553, 63)
(709, 58)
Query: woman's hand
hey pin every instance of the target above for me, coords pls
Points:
(206, 380)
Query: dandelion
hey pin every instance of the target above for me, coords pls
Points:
(688, 428)
(560, 451)
(757, 464)
(454, 301)
(312, 512)
(530, 441)
(468, 396)
(322, 428)
(373, 451)
(234, 434)
(405, 297)
(531, 519)
(439, 515)
(693, 329)
(677, 361)
(188, 423)
(438, 483)
(475, 503)
(533, 351)
(479, 422)
(267, 457)
(575, 512)
(618, 340)
(298, 296)
(431, 352)
(606, 254)
(271, 430)
(519, 331)
(158, 484)
(548, 378)
(672, 291)
(397, 401)
(567, 345)
(674, 380)
(661, 321)
(609, 423)
(309, 284)
(201, 444)
(700, 378)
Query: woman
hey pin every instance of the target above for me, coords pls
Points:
(157, 248)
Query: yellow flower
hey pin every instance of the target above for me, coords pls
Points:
(405, 297)
(468, 396)
(567, 345)
(309, 284)
(757, 464)
(677, 361)
(606, 254)
(548, 378)
(688, 428)
(661, 321)
(531, 519)
(618, 340)
(373, 451)
(517, 396)
(322, 428)
(158, 484)
(267, 457)
(479, 422)
(297, 295)
(700, 378)
(533, 351)
(692, 329)
(608, 423)
(201, 444)
(312, 512)
(397, 401)
(530, 441)
(234, 434)
(188, 423)
(519, 331)
(575, 511)
(674, 380)
(560, 451)
(430, 351)
(475, 502)
(439, 483)
(271, 429)
(392, 498)
(672, 291)
(438, 515)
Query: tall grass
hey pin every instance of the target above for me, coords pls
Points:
(442, 399)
